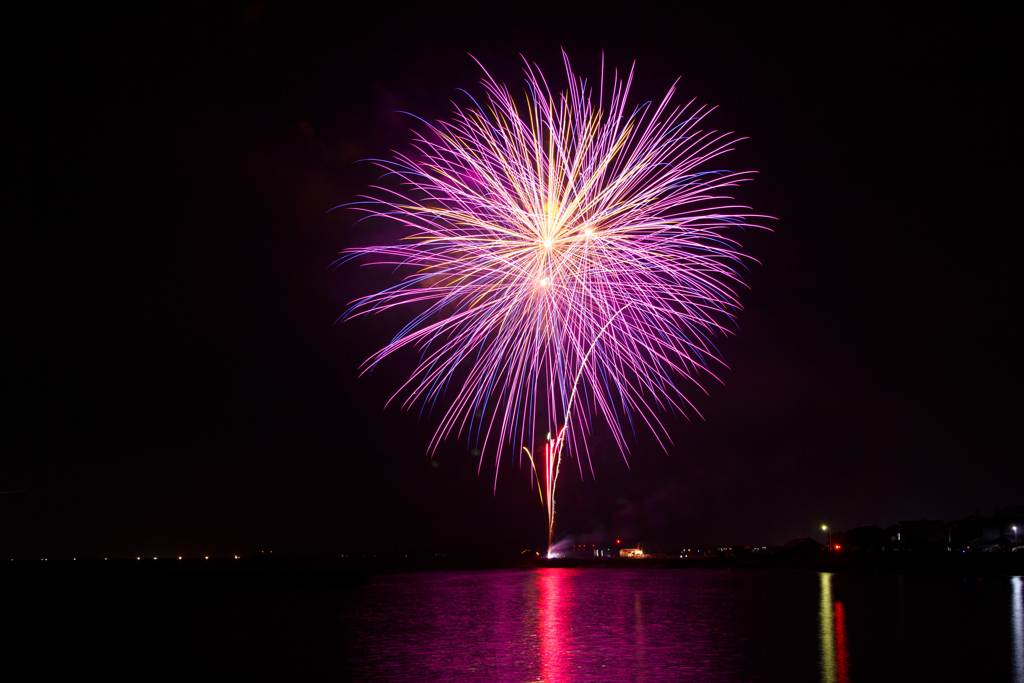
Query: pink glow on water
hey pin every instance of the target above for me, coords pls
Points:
(591, 625)
(556, 642)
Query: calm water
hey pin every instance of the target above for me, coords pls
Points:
(553, 625)
(561, 625)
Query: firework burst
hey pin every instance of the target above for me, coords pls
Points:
(567, 260)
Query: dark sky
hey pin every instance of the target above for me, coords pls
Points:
(176, 383)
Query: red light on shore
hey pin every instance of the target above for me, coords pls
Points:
(618, 541)
(837, 546)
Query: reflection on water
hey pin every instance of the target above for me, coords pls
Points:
(1017, 619)
(564, 643)
(552, 625)
(834, 656)
(826, 635)
(580, 625)
(640, 636)
(842, 656)
(555, 635)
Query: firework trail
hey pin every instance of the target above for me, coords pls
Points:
(563, 249)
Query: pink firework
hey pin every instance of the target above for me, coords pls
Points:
(562, 251)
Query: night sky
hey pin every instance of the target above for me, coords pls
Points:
(176, 384)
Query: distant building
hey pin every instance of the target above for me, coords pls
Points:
(924, 532)
(976, 533)
(866, 537)
(918, 535)
(963, 532)
(989, 534)
(802, 544)
(631, 552)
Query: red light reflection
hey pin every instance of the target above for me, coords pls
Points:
(842, 655)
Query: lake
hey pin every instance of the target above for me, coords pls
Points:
(558, 625)
(561, 625)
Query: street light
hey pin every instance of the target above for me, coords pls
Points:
(825, 528)
(1014, 537)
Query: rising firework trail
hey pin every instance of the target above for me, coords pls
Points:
(559, 250)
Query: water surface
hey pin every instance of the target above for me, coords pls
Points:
(557, 625)
(561, 625)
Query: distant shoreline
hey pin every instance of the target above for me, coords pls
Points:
(965, 564)
(283, 573)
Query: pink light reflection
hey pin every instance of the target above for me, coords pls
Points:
(556, 644)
